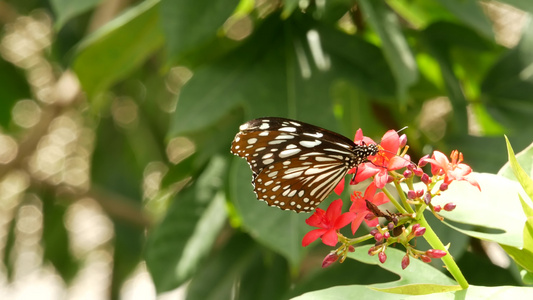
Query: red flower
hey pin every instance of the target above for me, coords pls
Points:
(386, 160)
(360, 209)
(329, 222)
(454, 170)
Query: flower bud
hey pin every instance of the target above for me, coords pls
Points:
(437, 208)
(425, 178)
(382, 257)
(420, 193)
(444, 186)
(435, 253)
(427, 198)
(374, 231)
(329, 259)
(425, 258)
(415, 227)
(371, 251)
(390, 226)
(418, 172)
(411, 194)
(390, 179)
(378, 237)
(449, 206)
(405, 261)
(420, 231)
(423, 161)
(407, 173)
(386, 235)
(403, 140)
(351, 248)
(411, 167)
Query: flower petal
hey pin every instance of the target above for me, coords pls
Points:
(334, 211)
(357, 221)
(317, 218)
(397, 162)
(365, 171)
(330, 238)
(391, 143)
(312, 235)
(340, 187)
(381, 178)
(380, 198)
(344, 219)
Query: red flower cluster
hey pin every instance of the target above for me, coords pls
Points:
(402, 227)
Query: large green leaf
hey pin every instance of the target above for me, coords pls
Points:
(523, 255)
(113, 51)
(274, 74)
(441, 38)
(395, 45)
(496, 211)
(226, 268)
(279, 230)
(56, 239)
(183, 239)
(470, 12)
(509, 85)
(68, 9)
(418, 279)
(14, 88)
(192, 25)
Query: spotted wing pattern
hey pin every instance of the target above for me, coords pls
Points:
(296, 165)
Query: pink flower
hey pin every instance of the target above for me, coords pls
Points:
(360, 209)
(454, 170)
(386, 160)
(329, 223)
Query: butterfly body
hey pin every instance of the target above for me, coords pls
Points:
(296, 165)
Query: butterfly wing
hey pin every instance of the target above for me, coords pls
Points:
(306, 160)
(299, 183)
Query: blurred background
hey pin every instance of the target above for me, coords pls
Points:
(116, 118)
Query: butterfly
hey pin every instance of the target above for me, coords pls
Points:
(296, 165)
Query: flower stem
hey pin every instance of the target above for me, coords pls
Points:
(393, 201)
(436, 243)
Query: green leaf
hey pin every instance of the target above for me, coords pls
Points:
(112, 52)
(395, 45)
(56, 239)
(274, 74)
(14, 88)
(509, 84)
(495, 211)
(524, 159)
(190, 25)
(441, 38)
(226, 269)
(68, 9)
(522, 255)
(267, 277)
(281, 231)
(418, 279)
(519, 173)
(181, 242)
(470, 12)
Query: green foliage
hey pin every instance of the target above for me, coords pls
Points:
(145, 82)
